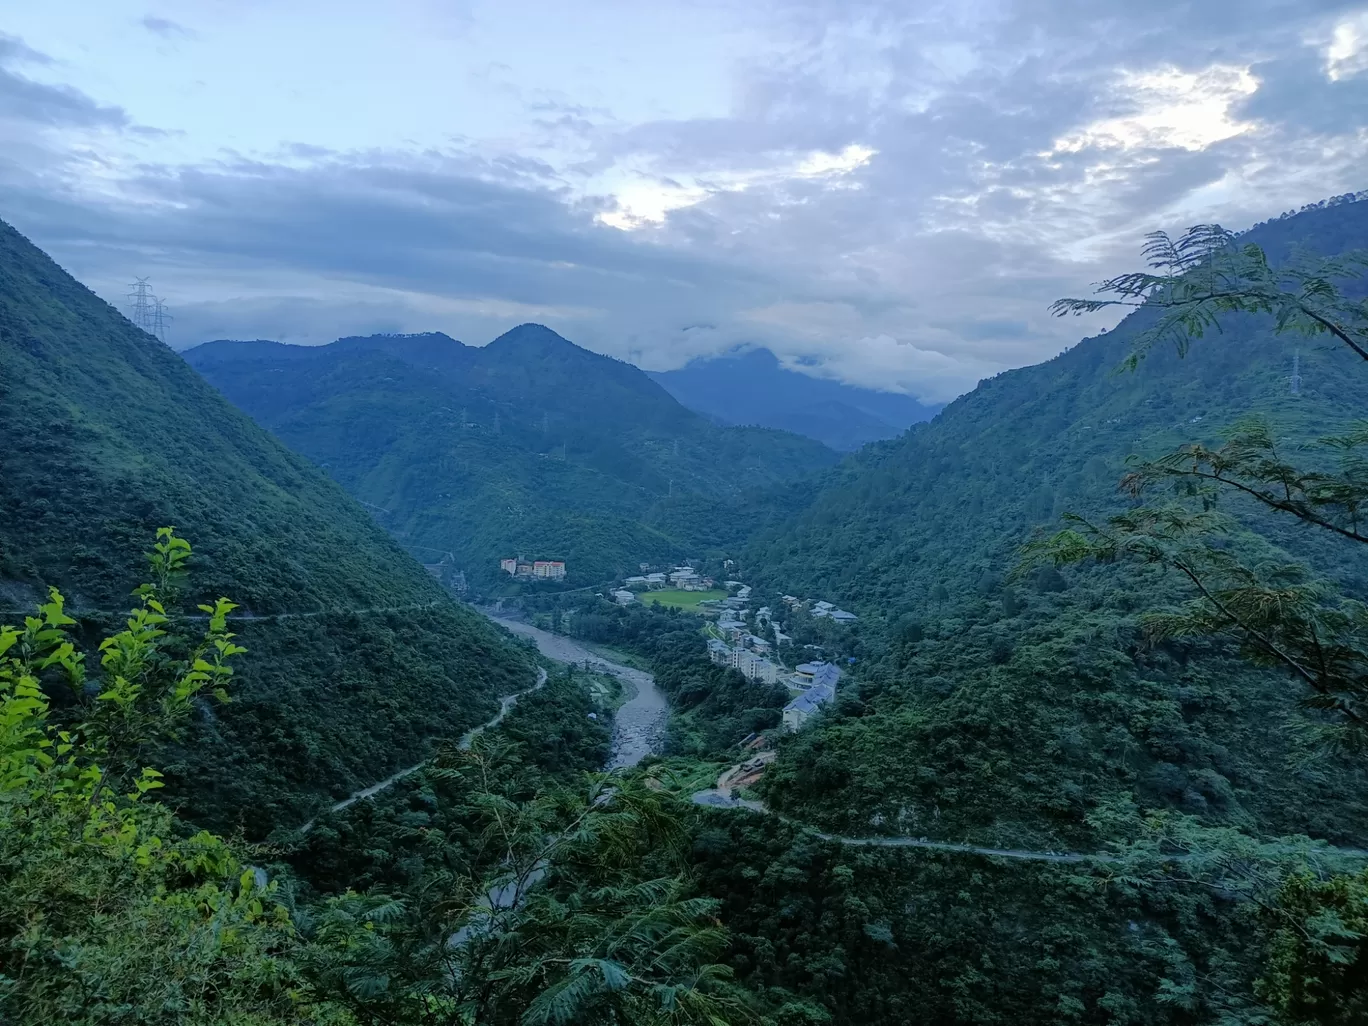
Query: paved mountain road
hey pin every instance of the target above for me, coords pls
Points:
(505, 704)
(716, 799)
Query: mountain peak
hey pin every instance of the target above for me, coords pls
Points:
(751, 386)
(533, 337)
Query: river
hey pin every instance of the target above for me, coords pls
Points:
(639, 725)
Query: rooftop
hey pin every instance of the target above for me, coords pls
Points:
(812, 699)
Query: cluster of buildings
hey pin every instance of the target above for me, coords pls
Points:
(753, 662)
(545, 569)
(822, 609)
(816, 684)
(685, 578)
(813, 684)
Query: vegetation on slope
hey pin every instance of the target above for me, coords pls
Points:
(542, 911)
(1021, 704)
(106, 434)
(528, 446)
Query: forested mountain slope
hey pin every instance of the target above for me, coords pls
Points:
(528, 446)
(754, 388)
(1017, 709)
(105, 434)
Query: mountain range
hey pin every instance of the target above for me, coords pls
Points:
(753, 387)
(529, 446)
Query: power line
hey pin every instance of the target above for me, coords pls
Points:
(160, 319)
(143, 304)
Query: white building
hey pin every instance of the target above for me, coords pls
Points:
(806, 706)
(754, 666)
(623, 597)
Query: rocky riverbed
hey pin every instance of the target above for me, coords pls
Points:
(639, 725)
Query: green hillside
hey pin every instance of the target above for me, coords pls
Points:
(105, 434)
(1012, 710)
(528, 446)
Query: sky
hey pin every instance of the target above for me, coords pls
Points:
(889, 194)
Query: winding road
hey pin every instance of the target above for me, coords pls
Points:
(505, 704)
(713, 798)
(638, 725)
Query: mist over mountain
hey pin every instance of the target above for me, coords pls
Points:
(753, 387)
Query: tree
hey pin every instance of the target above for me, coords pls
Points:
(548, 918)
(1281, 615)
(107, 910)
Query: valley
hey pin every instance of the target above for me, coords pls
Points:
(948, 729)
(639, 723)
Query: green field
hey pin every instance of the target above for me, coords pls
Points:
(683, 599)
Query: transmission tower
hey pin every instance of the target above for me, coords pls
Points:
(1295, 379)
(143, 304)
(160, 319)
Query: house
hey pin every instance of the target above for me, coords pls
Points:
(822, 609)
(683, 574)
(816, 675)
(719, 653)
(623, 597)
(635, 580)
(806, 706)
(743, 592)
(655, 580)
(757, 644)
(754, 666)
(841, 616)
(763, 613)
(545, 569)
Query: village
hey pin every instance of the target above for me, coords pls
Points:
(749, 643)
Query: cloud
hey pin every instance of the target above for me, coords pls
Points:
(892, 194)
(25, 100)
(165, 28)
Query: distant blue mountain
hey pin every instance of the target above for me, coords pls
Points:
(753, 388)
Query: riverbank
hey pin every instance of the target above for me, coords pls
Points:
(639, 724)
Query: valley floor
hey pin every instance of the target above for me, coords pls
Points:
(639, 725)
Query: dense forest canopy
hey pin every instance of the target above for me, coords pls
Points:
(529, 446)
(359, 659)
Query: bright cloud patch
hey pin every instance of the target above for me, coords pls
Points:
(1173, 110)
(646, 201)
(1347, 53)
